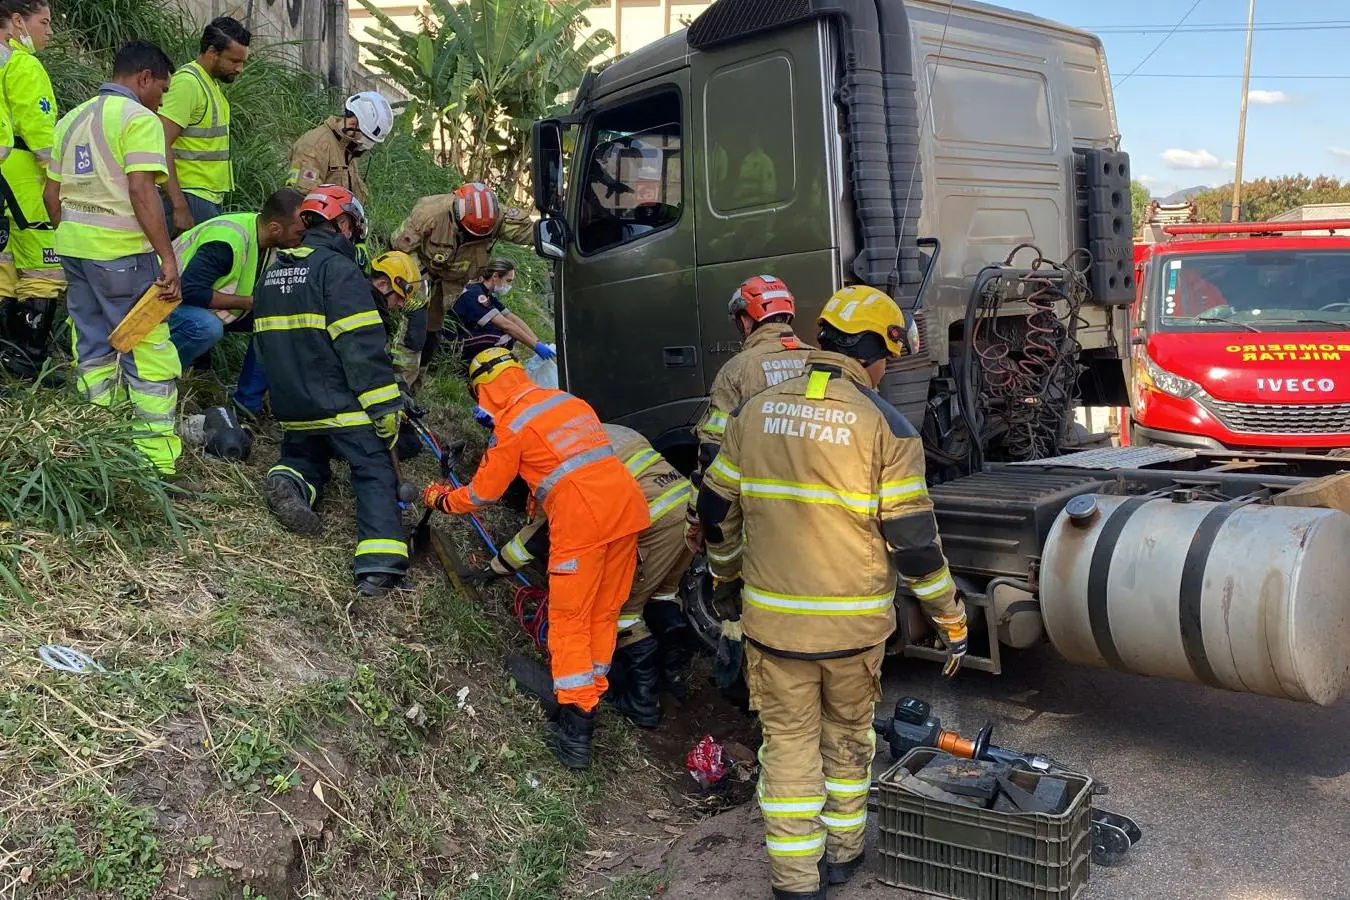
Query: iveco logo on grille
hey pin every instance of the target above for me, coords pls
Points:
(1296, 385)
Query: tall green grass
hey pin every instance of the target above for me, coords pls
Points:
(69, 469)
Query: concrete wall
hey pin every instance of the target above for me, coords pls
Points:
(317, 32)
(1314, 212)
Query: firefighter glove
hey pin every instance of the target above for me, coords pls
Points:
(435, 494)
(955, 635)
(730, 654)
(480, 577)
(386, 426)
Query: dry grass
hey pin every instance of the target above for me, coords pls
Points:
(252, 727)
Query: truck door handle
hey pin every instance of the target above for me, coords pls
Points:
(680, 357)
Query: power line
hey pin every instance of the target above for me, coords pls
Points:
(1218, 28)
(1284, 29)
(1158, 46)
(1238, 76)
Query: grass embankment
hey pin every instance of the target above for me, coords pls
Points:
(252, 736)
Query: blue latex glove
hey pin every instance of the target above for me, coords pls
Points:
(545, 352)
(482, 417)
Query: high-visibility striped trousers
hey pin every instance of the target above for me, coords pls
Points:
(306, 457)
(816, 759)
(585, 594)
(100, 295)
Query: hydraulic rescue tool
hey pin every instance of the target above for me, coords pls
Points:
(914, 725)
(530, 603)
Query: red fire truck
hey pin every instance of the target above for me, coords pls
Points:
(1240, 337)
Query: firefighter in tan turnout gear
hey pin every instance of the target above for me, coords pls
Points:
(762, 309)
(653, 644)
(817, 499)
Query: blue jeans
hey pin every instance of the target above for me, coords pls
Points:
(252, 382)
(194, 330)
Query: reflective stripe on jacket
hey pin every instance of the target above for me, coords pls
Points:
(100, 142)
(663, 487)
(771, 355)
(201, 153)
(240, 232)
(818, 500)
(321, 340)
(556, 444)
(28, 94)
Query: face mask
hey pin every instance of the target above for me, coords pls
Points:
(360, 143)
(503, 290)
(27, 41)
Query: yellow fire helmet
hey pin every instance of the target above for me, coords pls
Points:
(404, 275)
(859, 308)
(492, 362)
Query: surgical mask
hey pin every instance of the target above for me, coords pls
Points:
(503, 290)
(27, 40)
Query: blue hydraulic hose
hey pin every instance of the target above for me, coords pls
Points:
(437, 452)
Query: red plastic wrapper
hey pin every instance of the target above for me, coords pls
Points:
(705, 762)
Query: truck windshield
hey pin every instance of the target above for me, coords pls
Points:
(1252, 290)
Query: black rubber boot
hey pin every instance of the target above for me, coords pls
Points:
(377, 584)
(570, 735)
(286, 500)
(818, 894)
(37, 317)
(671, 629)
(634, 694)
(837, 873)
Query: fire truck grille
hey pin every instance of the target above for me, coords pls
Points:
(1265, 418)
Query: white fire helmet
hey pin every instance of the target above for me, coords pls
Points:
(374, 116)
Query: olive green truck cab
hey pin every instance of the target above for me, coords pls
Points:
(828, 142)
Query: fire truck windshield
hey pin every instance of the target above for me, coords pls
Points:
(1252, 290)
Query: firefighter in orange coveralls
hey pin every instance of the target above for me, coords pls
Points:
(595, 511)
(653, 632)
(818, 498)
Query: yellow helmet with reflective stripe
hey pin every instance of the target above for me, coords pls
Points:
(405, 277)
(859, 308)
(492, 362)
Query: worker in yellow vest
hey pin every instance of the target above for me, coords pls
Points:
(34, 278)
(221, 261)
(109, 154)
(11, 355)
(196, 119)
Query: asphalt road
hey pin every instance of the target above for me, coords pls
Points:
(1239, 797)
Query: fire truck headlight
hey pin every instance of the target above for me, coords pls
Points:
(1169, 383)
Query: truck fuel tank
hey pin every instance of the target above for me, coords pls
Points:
(1240, 596)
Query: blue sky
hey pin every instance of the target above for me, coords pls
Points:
(1182, 132)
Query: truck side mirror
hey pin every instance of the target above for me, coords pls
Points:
(550, 238)
(546, 145)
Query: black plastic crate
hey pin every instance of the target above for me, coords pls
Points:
(978, 854)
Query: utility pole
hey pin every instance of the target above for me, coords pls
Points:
(1242, 116)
